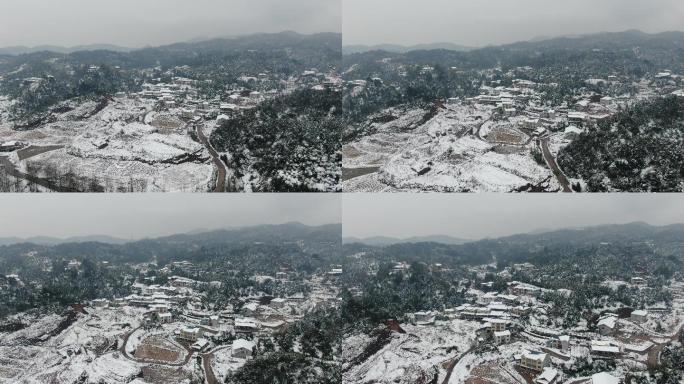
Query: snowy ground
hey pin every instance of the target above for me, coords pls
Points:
(422, 349)
(87, 349)
(124, 146)
(223, 362)
(443, 154)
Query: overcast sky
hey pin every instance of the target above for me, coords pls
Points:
(476, 216)
(138, 23)
(491, 22)
(133, 216)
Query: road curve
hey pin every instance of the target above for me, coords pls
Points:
(452, 365)
(551, 162)
(222, 171)
(653, 361)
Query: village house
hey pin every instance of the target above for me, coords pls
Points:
(577, 118)
(607, 325)
(604, 378)
(278, 302)
(534, 360)
(502, 337)
(496, 325)
(273, 325)
(639, 316)
(190, 333)
(100, 303)
(250, 309)
(604, 349)
(424, 318)
(548, 376)
(200, 345)
(245, 326)
(242, 348)
(571, 132)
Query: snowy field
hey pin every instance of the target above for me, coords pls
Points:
(123, 146)
(422, 350)
(457, 150)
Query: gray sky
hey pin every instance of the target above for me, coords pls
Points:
(137, 23)
(491, 22)
(133, 216)
(475, 216)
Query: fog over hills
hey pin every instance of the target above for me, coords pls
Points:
(255, 41)
(386, 240)
(622, 39)
(269, 232)
(360, 48)
(636, 231)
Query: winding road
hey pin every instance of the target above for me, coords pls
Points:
(222, 170)
(551, 162)
(654, 353)
(452, 365)
(209, 376)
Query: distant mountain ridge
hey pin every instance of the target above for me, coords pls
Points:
(635, 231)
(20, 50)
(624, 39)
(386, 240)
(259, 40)
(47, 240)
(397, 48)
(238, 234)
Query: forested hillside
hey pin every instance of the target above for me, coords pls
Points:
(639, 149)
(288, 141)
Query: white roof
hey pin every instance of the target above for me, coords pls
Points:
(245, 323)
(502, 333)
(606, 348)
(200, 343)
(242, 344)
(572, 129)
(609, 321)
(604, 378)
(535, 355)
(251, 306)
(547, 376)
(640, 312)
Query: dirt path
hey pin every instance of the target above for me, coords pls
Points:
(654, 352)
(127, 335)
(352, 173)
(551, 162)
(222, 170)
(35, 150)
(209, 376)
(452, 365)
(11, 170)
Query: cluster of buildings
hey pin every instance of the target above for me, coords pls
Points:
(504, 318)
(183, 94)
(177, 307)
